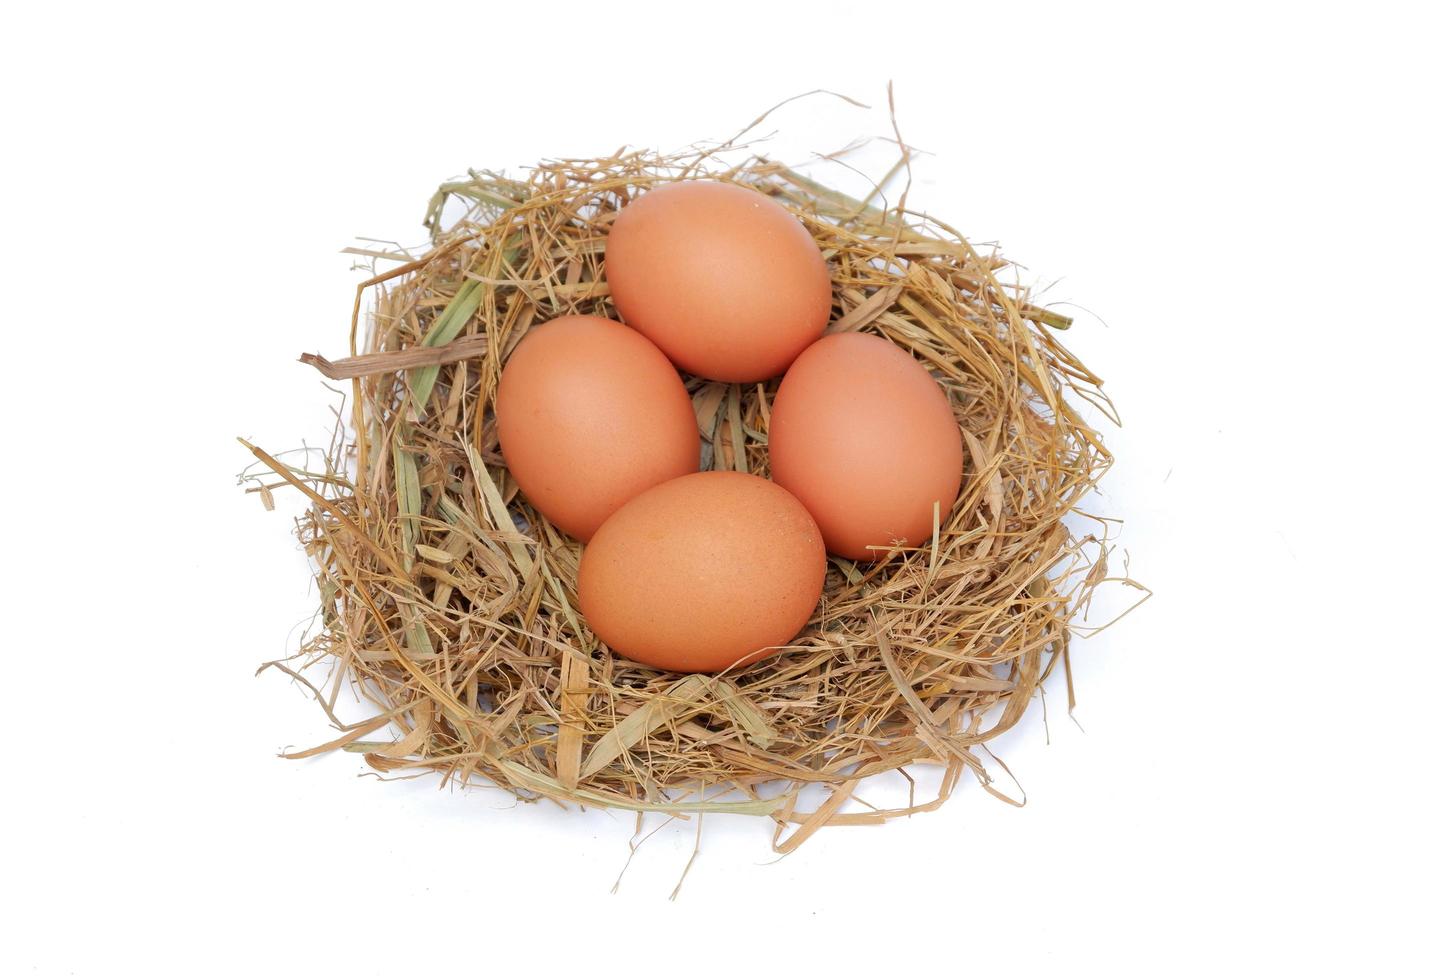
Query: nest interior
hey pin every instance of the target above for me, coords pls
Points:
(449, 603)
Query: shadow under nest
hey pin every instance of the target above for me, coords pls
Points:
(450, 604)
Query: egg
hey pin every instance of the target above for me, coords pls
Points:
(727, 282)
(703, 572)
(590, 414)
(865, 438)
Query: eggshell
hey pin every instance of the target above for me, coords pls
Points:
(727, 282)
(703, 572)
(865, 438)
(591, 414)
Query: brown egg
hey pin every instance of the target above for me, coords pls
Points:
(703, 572)
(865, 438)
(591, 414)
(727, 282)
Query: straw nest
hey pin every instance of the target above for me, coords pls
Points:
(449, 603)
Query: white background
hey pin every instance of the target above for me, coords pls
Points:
(1239, 194)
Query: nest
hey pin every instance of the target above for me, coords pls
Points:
(449, 603)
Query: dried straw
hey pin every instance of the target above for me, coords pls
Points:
(449, 602)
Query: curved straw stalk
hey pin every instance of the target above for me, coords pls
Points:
(449, 603)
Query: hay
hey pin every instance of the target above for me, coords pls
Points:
(449, 603)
